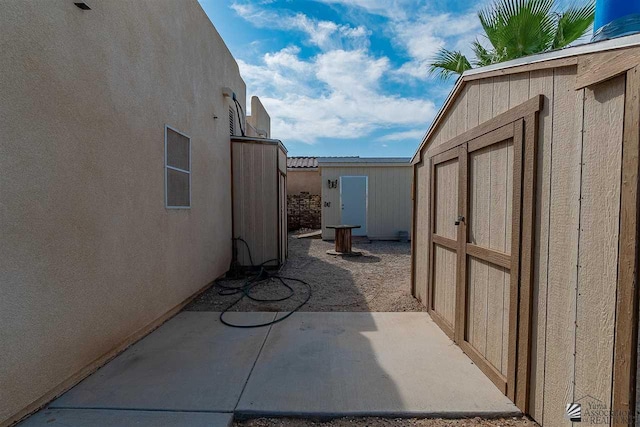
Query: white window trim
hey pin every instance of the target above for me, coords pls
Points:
(167, 167)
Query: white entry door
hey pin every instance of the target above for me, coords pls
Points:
(353, 199)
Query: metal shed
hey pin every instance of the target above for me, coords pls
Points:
(525, 216)
(259, 180)
(374, 193)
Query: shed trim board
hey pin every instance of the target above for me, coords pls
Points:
(562, 57)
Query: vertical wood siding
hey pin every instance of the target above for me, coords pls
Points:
(255, 201)
(598, 244)
(444, 279)
(446, 199)
(389, 199)
(577, 220)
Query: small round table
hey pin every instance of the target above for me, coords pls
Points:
(343, 240)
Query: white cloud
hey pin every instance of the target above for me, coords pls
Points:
(326, 35)
(340, 92)
(420, 30)
(336, 94)
(389, 8)
(413, 134)
(424, 35)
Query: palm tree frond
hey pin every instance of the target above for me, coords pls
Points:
(517, 28)
(483, 55)
(447, 63)
(573, 24)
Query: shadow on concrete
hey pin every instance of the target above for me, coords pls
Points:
(313, 364)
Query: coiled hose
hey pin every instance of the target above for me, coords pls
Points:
(251, 283)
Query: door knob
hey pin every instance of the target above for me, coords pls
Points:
(459, 220)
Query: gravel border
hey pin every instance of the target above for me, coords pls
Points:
(377, 281)
(386, 422)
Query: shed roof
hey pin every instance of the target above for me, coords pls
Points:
(302, 162)
(257, 140)
(557, 58)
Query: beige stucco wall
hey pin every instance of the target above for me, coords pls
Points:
(388, 203)
(89, 253)
(304, 180)
(259, 120)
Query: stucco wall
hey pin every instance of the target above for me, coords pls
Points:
(259, 120)
(304, 180)
(89, 253)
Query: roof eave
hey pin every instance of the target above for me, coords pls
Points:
(561, 56)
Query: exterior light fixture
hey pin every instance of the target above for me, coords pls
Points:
(82, 5)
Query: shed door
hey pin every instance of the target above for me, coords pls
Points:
(489, 323)
(445, 210)
(353, 200)
(474, 265)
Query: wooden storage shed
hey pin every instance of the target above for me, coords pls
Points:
(374, 193)
(259, 180)
(525, 239)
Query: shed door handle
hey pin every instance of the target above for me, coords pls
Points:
(459, 220)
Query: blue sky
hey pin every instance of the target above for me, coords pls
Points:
(345, 77)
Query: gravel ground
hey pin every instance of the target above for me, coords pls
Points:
(386, 422)
(377, 281)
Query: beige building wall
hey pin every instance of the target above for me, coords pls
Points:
(304, 180)
(576, 231)
(259, 121)
(89, 253)
(388, 204)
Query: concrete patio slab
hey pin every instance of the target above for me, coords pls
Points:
(119, 418)
(191, 363)
(391, 364)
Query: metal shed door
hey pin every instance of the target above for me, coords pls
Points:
(353, 200)
(475, 241)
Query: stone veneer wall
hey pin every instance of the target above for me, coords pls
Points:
(303, 211)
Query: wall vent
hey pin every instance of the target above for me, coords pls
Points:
(177, 169)
(232, 122)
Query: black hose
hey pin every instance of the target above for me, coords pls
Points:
(262, 277)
